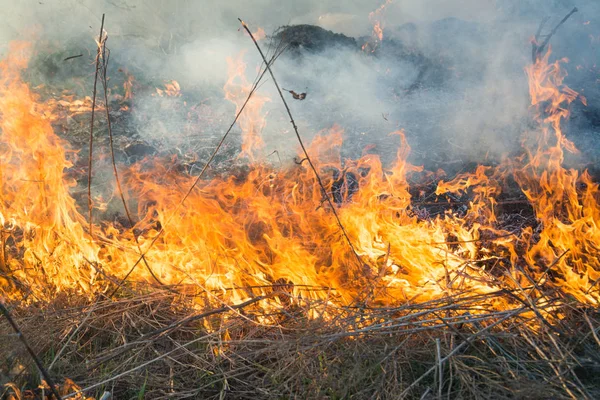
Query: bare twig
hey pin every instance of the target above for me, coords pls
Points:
(539, 49)
(91, 148)
(3, 261)
(278, 157)
(106, 396)
(539, 31)
(200, 175)
(592, 329)
(35, 358)
(72, 57)
(440, 373)
(105, 58)
(306, 156)
(539, 281)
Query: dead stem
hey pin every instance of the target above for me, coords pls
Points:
(456, 350)
(91, 147)
(200, 175)
(104, 67)
(537, 50)
(160, 338)
(34, 357)
(306, 156)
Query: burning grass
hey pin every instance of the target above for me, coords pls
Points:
(318, 279)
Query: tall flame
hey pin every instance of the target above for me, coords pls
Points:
(376, 19)
(565, 202)
(251, 121)
(40, 225)
(241, 235)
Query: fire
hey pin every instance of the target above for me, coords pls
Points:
(251, 121)
(128, 85)
(172, 89)
(41, 228)
(260, 34)
(262, 228)
(564, 201)
(376, 18)
(72, 106)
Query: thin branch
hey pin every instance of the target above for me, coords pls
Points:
(105, 58)
(312, 166)
(35, 358)
(539, 31)
(91, 149)
(592, 329)
(440, 372)
(200, 175)
(72, 57)
(539, 49)
(539, 281)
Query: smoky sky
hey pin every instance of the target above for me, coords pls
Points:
(472, 105)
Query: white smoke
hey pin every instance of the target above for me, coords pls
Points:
(474, 111)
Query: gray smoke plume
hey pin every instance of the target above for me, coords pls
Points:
(450, 73)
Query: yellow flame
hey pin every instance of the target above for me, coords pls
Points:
(264, 229)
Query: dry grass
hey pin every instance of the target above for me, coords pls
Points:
(145, 345)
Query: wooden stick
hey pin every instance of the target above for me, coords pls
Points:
(91, 149)
(104, 79)
(35, 358)
(537, 50)
(200, 175)
(306, 156)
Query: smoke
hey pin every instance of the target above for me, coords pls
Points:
(450, 73)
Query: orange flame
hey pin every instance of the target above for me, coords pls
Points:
(376, 18)
(128, 85)
(260, 34)
(251, 121)
(261, 229)
(171, 89)
(565, 202)
(36, 208)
